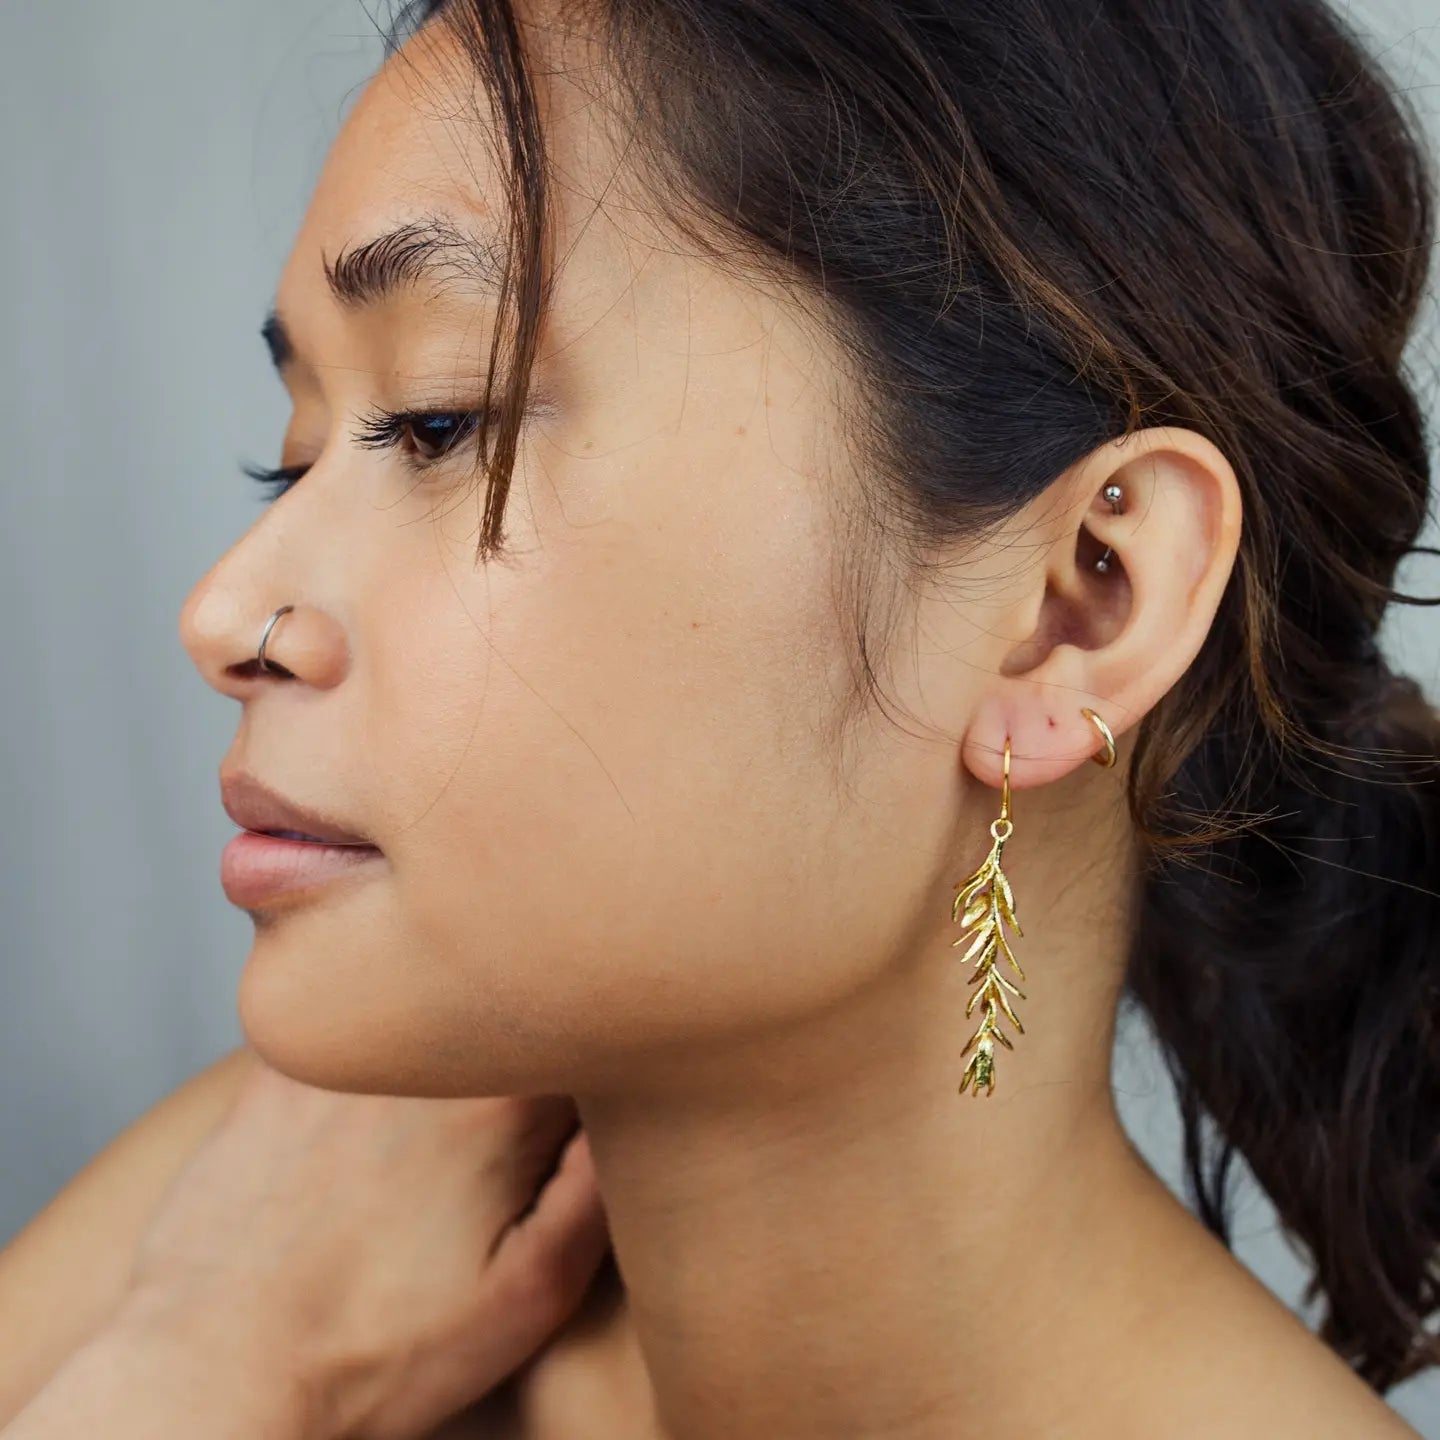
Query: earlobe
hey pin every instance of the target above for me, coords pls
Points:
(1047, 741)
(1114, 637)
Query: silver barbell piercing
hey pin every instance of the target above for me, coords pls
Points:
(1112, 492)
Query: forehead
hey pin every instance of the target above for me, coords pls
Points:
(422, 140)
(634, 307)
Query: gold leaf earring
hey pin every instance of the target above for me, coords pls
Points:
(987, 911)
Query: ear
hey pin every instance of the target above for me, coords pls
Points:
(1115, 639)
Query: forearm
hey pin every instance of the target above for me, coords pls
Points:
(65, 1274)
(137, 1379)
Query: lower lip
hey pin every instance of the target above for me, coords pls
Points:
(255, 869)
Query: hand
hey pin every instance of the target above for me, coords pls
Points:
(377, 1249)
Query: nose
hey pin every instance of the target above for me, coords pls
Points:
(222, 630)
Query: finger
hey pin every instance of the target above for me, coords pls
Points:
(546, 1260)
(525, 1151)
(519, 1114)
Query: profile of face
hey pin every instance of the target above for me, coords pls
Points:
(622, 832)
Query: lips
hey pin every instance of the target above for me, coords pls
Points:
(254, 806)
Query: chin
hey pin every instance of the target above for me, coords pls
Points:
(367, 1011)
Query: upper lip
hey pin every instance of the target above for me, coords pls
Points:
(254, 806)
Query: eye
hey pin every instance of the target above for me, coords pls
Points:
(423, 436)
(277, 482)
(433, 435)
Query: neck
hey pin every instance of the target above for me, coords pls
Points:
(820, 1238)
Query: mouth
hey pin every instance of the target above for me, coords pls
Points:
(254, 806)
(282, 847)
(258, 868)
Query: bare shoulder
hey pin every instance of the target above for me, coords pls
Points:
(1237, 1361)
(1354, 1412)
(68, 1266)
(1314, 1394)
(1341, 1408)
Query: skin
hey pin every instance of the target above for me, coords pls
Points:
(624, 859)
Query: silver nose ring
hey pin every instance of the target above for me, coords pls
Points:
(265, 665)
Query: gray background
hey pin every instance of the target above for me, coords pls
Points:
(157, 157)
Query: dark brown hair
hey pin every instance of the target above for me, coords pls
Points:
(1036, 225)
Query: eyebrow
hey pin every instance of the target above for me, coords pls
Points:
(432, 251)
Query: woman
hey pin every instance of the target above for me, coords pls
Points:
(880, 412)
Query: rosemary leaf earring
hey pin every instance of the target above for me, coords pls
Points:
(986, 909)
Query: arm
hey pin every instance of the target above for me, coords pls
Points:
(141, 1376)
(62, 1277)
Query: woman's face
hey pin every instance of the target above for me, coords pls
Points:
(617, 831)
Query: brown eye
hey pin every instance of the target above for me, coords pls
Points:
(419, 436)
(432, 436)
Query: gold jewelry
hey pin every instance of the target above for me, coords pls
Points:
(987, 942)
(1107, 758)
(989, 913)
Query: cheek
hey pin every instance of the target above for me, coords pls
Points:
(606, 771)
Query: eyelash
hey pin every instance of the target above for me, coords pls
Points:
(380, 430)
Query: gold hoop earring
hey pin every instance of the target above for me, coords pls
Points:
(986, 944)
(1107, 756)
